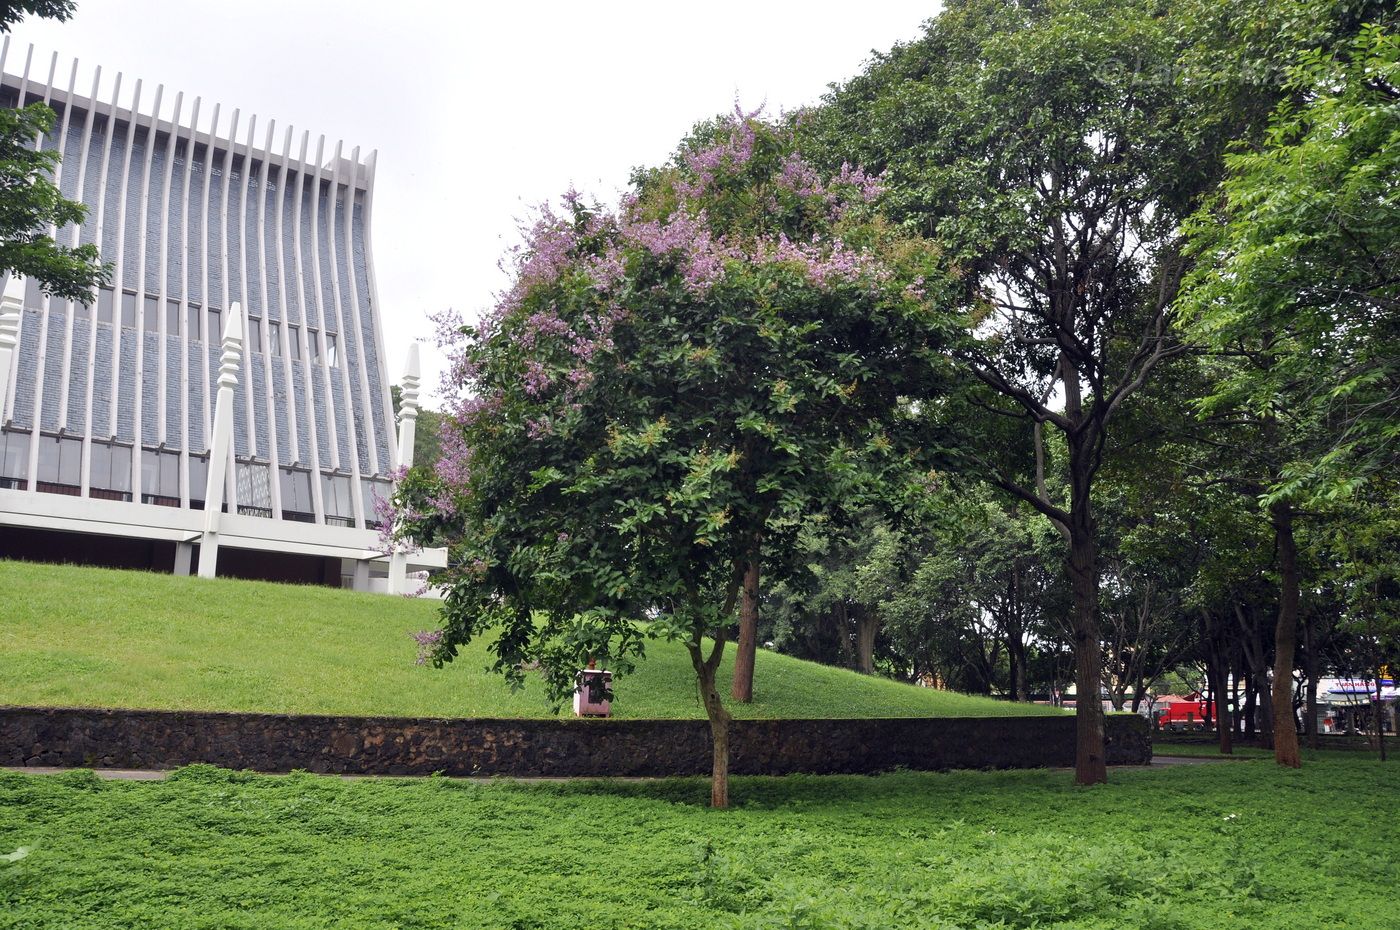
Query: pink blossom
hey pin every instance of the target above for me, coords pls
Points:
(542, 323)
(799, 177)
(869, 187)
(428, 641)
(537, 378)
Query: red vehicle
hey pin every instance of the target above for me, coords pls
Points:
(1181, 715)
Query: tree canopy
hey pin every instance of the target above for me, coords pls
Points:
(670, 386)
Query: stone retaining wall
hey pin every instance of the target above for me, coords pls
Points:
(153, 739)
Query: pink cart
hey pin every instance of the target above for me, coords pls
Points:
(593, 693)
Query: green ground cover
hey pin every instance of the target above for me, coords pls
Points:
(93, 637)
(1207, 750)
(1212, 751)
(1228, 846)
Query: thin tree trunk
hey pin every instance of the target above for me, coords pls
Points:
(745, 650)
(1237, 719)
(1251, 709)
(1285, 638)
(867, 625)
(1015, 635)
(718, 717)
(1266, 713)
(1310, 694)
(1218, 673)
(1380, 717)
(843, 619)
(1016, 649)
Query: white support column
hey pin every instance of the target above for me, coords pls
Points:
(183, 553)
(67, 376)
(408, 424)
(90, 396)
(138, 429)
(297, 338)
(221, 443)
(11, 306)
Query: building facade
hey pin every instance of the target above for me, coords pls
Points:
(106, 428)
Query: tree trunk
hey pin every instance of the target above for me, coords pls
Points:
(1238, 719)
(745, 650)
(1251, 710)
(843, 619)
(1285, 638)
(1139, 693)
(1266, 712)
(1218, 673)
(1085, 447)
(1014, 626)
(1016, 650)
(867, 625)
(1380, 716)
(1090, 767)
(1258, 705)
(1310, 695)
(719, 722)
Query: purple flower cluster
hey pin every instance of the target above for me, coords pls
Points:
(547, 250)
(800, 177)
(542, 323)
(822, 264)
(730, 155)
(390, 519)
(428, 642)
(454, 466)
(867, 186)
(537, 379)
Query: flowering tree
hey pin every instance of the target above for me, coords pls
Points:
(661, 397)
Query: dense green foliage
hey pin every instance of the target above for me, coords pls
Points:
(1299, 272)
(31, 205)
(12, 11)
(93, 637)
(1204, 847)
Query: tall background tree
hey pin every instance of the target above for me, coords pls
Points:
(1054, 150)
(1298, 290)
(1037, 144)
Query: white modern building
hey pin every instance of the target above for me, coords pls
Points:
(242, 266)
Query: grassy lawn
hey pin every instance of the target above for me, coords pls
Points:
(1185, 848)
(93, 637)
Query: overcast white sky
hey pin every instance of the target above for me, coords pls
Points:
(478, 112)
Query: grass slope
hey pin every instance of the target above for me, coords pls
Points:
(1230, 846)
(94, 637)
